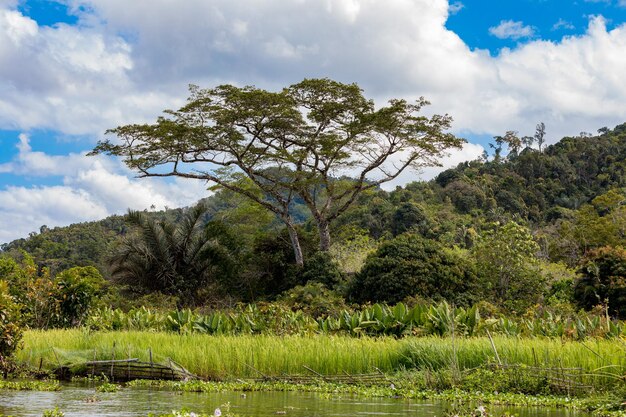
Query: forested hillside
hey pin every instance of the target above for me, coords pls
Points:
(519, 229)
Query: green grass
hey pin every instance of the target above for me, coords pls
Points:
(217, 356)
(591, 355)
(602, 362)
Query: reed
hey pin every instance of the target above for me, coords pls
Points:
(599, 363)
(217, 356)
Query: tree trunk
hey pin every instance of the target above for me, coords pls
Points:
(295, 243)
(323, 227)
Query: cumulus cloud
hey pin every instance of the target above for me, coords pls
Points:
(509, 29)
(24, 209)
(118, 65)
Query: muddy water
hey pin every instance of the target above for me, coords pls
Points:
(76, 401)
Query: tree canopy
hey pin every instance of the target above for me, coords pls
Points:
(274, 147)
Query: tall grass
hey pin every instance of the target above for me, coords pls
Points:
(601, 362)
(435, 353)
(217, 356)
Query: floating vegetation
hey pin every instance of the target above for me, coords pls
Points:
(603, 405)
(108, 387)
(29, 385)
(222, 411)
(53, 413)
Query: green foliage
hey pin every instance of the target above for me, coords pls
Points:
(506, 259)
(272, 267)
(321, 268)
(76, 290)
(601, 223)
(30, 385)
(223, 410)
(45, 302)
(314, 299)
(175, 259)
(410, 265)
(465, 197)
(53, 413)
(60, 248)
(603, 280)
(10, 326)
(409, 217)
(351, 249)
(108, 387)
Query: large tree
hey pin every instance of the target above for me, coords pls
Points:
(319, 140)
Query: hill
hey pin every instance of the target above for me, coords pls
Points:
(546, 190)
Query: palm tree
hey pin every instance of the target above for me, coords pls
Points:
(174, 258)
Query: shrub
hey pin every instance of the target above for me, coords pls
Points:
(509, 269)
(410, 217)
(321, 268)
(76, 289)
(411, 265)
(603, 280)
(313, 299)
(10, 326)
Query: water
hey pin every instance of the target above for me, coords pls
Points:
(76, 401)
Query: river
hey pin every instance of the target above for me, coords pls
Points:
(77, 401)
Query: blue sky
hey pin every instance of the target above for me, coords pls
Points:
(548, 19)
(71, 69)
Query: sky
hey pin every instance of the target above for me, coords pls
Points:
(71, 69)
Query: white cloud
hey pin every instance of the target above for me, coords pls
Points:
(509, 29)
(455, 7)
(563, 24)
(24, 209)
(469, 152)
(397, 48)
(93, 188)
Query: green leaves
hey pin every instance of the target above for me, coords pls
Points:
(10, 325)
(506, 258)
(175, 259)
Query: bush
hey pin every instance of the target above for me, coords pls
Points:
(411, 265)
(48, 302)
(508, 267)
(76, 289)
(321, 268)
(465, 197)
(10, 326)
(313, 299)
(410, 217)
(603, 280)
